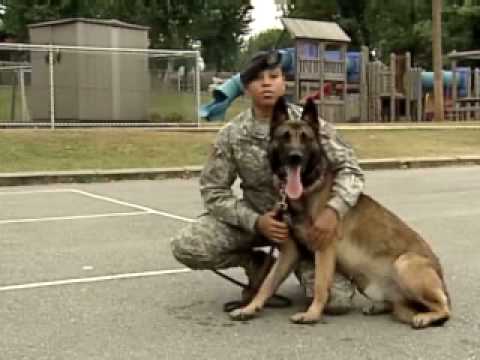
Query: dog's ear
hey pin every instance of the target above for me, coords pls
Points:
(279, 114)
(310, 114)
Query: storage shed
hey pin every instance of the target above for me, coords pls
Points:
(91, 86)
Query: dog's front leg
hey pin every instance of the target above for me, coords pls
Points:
(286, 261)
(324, 272)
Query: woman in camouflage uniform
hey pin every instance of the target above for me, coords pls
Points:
(226, 234)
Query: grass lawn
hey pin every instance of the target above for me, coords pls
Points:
(36, 150)
(174, 107)
(165, 106)
(405, 143)
(6, 99)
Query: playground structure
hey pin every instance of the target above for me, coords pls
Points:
(389, 92)
(349, 87)
(320, 60)
(465, 105)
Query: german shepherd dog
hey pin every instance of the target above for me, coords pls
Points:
(387, 261)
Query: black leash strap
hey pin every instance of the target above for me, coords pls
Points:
(232, 280)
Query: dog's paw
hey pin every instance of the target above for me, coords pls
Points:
(243, 314)
(421, 321)
(305, 318)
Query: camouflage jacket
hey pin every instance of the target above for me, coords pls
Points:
(240, 151)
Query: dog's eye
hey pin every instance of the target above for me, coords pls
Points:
(286, 136)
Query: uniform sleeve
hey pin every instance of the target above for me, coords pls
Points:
(349, 179)
(216, 180)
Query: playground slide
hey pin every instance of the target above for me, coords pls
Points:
(463, 74)
(227, 92)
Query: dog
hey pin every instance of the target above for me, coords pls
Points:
(391, 264)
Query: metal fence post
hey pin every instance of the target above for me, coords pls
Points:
(21, 74)
(197, 86)
(52, 88)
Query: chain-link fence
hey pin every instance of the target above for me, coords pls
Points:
(61, 86)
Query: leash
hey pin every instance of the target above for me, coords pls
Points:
(276, 301)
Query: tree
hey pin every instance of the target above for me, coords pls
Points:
(174, 24)
(396, 26)
(388, 25)
(461, 25)
(221, 26)
(20, 13)
(266, 40)
(350, 15)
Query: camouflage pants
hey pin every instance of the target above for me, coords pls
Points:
(211, 244)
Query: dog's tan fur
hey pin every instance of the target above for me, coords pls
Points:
(388, 262)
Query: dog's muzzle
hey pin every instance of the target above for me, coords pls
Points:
(295, 158)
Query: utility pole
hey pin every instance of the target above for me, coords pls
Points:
(437, 59)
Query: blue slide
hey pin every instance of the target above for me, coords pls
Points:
(463, 74)
(227, 92)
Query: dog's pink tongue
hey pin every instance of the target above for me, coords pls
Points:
(294, 188)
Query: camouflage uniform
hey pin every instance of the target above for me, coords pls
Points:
(225, 234)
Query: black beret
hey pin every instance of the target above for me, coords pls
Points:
(261, 61)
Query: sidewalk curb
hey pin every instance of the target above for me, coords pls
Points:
(85, 176)
(419, 162)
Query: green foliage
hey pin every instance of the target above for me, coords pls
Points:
(174, 24)
(396, 26)
(266, 40)
(462, 25)
(222, 25)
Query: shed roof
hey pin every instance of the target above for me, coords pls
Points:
(109, 22)
(318, 30)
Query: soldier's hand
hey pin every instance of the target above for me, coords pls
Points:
(271, 228)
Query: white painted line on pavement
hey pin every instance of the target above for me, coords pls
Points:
(136, 206)
(144, 210)
(74, 217)
(92, 279)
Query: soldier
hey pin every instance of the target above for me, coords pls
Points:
(228, 231)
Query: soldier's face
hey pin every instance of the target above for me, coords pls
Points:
(267, 87)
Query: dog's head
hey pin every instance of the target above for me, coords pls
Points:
(294, 149)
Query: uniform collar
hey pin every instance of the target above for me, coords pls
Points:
(252, 127)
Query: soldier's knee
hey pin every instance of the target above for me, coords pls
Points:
(180, 250)
(193, 251)
(202, 245)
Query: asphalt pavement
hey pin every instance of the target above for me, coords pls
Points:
(86, 273)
